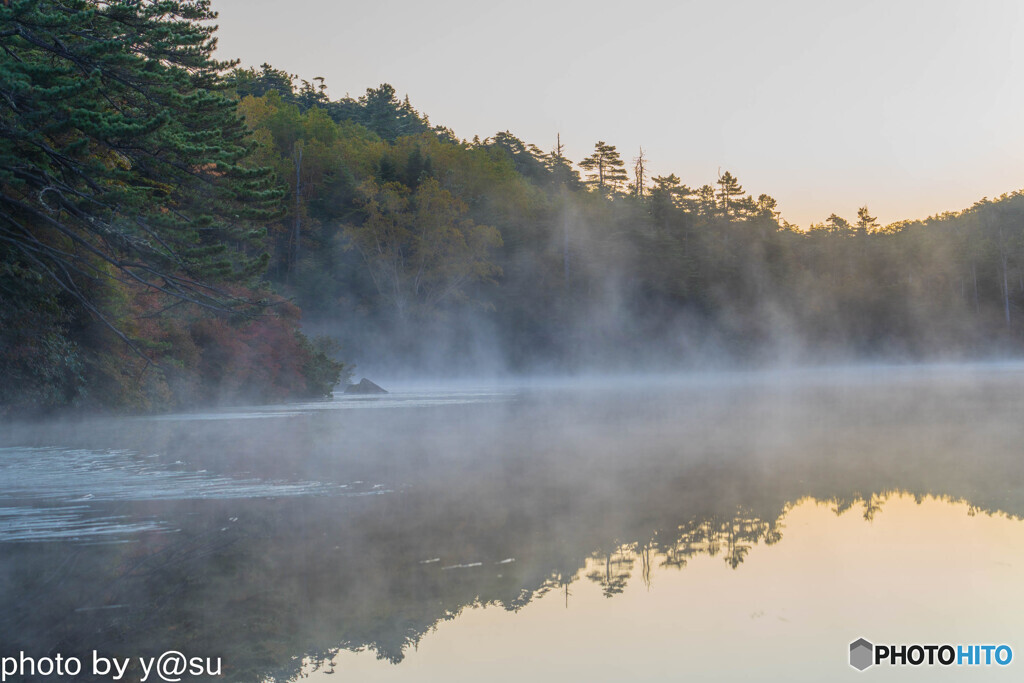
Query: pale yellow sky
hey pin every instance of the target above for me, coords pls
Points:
(912, 108)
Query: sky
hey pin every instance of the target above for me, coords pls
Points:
(910, 108)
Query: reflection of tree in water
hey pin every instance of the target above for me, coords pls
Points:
(711, 536)
(645, 565)
(274, 598)
(872, 504)
(612, 570)
(559, 580)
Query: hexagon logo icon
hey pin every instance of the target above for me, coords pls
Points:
(861, 654)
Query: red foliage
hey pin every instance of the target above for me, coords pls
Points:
(260, 359)
(204, 357)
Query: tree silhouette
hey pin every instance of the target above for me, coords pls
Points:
(606, 170)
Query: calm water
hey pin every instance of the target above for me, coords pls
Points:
(732, 527)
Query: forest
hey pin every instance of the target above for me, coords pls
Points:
(176, 230)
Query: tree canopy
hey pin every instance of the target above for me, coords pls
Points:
(120, 157)
(122, 170)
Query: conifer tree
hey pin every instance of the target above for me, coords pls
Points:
(729, 195)
(259, 83)
(838, 226)
(562, 172)
(385, 115)
(705, 203)
(606, 171)
(670, 190)
(865, 222)
(120, 158)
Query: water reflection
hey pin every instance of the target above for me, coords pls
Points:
(538, 497)
(786, 613)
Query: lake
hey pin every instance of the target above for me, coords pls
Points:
(722, 526)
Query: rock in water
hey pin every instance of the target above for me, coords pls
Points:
(365, 386)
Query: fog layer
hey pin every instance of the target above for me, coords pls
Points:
(364, 521)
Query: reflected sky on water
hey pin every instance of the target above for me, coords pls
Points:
(728, 527)
(928, 571)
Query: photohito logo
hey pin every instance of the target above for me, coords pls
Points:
(864, 654)
(861, 654)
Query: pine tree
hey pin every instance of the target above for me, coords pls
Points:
(121, 161)
(766, 207)
(527, 159)
(706, 204)
(606, 170)
(865, 222)
(670, 190)
(383, 114)
(838, 226)
(729, 195)
(562, 172)
(259, 83)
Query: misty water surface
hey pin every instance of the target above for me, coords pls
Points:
(639, 526)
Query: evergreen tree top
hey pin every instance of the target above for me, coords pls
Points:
(121, 158)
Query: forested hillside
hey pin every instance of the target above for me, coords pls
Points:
(167, 222)
(425, 251)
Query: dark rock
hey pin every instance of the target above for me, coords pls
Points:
(365, 386)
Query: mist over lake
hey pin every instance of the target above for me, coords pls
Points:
(698, 512)
(456, 342)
